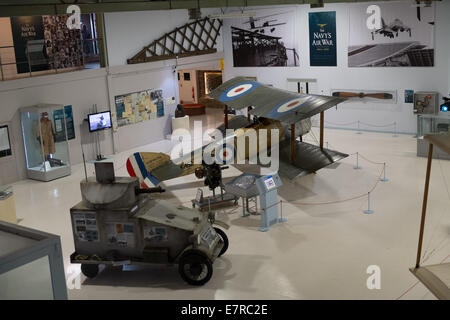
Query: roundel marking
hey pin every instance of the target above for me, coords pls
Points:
(225, 154)
(291, 104)
(238, 91)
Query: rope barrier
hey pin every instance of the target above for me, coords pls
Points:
(328, 202)
(341, 124)
(379, 126)
(364, 123)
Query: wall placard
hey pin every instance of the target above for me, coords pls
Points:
(5, 142)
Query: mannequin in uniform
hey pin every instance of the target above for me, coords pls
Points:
(47, 135)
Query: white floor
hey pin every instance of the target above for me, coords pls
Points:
(321, 252)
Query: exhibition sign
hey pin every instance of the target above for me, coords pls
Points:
(28, 37)
(322, 39)
(138, 106)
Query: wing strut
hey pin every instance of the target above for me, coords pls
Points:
(225, 117)
(292, 143)
(322, 120)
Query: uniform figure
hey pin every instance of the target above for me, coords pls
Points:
(46, 135)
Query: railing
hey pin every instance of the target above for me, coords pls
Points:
(91, 60)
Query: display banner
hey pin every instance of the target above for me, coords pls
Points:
(69, 122)
(322, 39)
(28, 31)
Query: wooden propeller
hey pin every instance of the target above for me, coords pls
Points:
(380, 95)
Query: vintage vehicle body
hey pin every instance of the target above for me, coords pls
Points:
(118, 224)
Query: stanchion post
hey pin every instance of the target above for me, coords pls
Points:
(359, 131)
(384, 179)
(368, 211)
(395, 129)
(357, 162)
(281, 219)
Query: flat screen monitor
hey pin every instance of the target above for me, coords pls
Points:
(99, 121)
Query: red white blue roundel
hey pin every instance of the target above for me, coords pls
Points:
(225, 154)
(288, 106)
(238, 90)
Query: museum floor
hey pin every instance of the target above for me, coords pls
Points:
(321, 252)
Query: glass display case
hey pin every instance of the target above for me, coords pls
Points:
(7, 205)
(431, 124)
(44, 134)
(31, 264)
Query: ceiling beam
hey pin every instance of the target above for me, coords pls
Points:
(10, 8)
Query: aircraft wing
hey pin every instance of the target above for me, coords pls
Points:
(272, 103)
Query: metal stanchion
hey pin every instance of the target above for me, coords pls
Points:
(357, 162)
(359, 131)
(384, 179)
(395, 129)
(368, 211)
(281, 219)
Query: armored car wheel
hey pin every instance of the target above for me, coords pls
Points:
(195, 268)
(224, 239)
(89, 270)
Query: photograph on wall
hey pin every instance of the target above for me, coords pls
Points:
(265, 40)
(28, 37)
(404, 39)
(322, 39)
(69, 122)
(139, 106)
(409, 96)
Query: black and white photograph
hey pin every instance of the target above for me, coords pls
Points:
(404, 39)
(266, 39)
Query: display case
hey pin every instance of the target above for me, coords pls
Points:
(7, 205)
(31, 264)
(44, 134)
(431, 124)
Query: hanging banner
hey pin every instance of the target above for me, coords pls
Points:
(322, 39)
(69, 122)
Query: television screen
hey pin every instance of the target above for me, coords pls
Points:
(99, 121)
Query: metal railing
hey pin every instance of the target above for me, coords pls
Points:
(37, 64)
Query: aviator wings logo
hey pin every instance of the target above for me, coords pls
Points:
(321, 26)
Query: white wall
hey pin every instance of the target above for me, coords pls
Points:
(342, 77)
(128, 32)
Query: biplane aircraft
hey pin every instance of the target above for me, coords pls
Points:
(272, 109)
